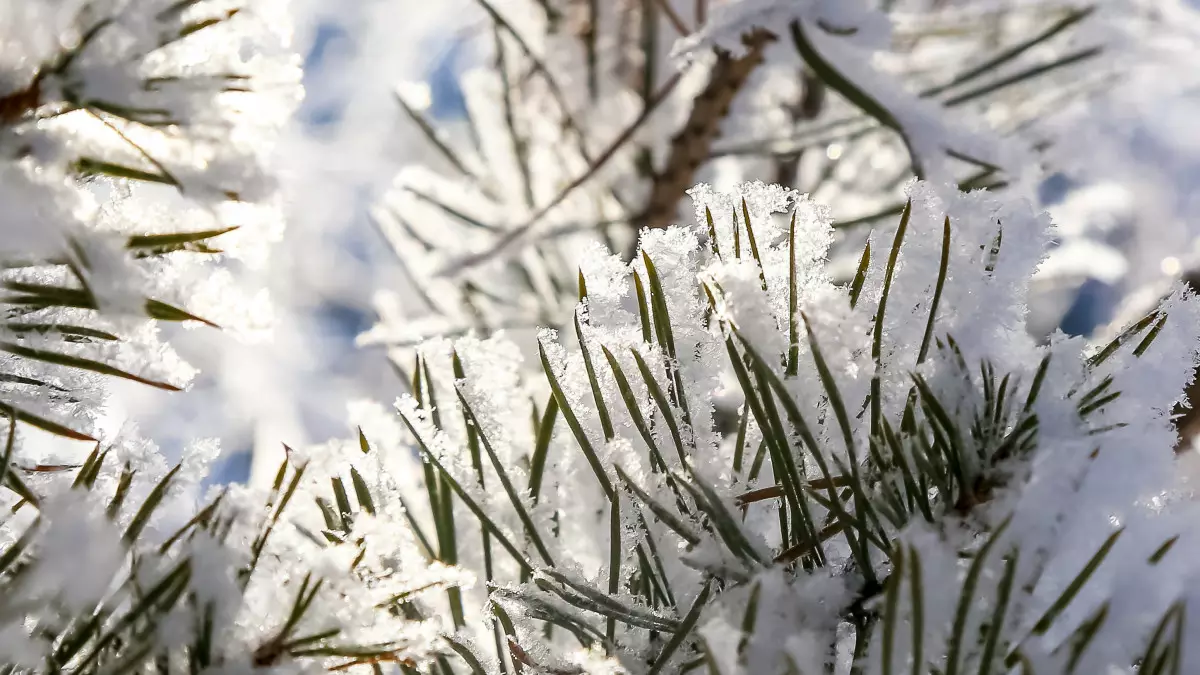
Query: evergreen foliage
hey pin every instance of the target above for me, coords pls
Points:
(744, 467)
(728, 459)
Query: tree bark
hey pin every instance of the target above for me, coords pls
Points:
(690, 147)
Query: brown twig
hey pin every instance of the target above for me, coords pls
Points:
(776, 491)
(761, 494)
(690, 147)
(14, 106)
(805, 547)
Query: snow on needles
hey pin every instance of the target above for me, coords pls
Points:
(723, 433)
(845, 35)
(723, 360)
(133, 142)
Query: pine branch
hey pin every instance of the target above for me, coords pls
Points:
(692, 144)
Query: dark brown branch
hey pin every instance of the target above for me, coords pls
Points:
(14, 106)
(691, 146)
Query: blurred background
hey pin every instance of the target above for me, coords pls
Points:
(1098, 100)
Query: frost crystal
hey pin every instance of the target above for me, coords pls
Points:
(731, 459)
(133, 140)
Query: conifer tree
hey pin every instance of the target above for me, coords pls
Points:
(732, 463)
(133, 135)
(726, 457)
(588, 121)
(715, 453)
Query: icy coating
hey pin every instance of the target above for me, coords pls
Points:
(1032, 459)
